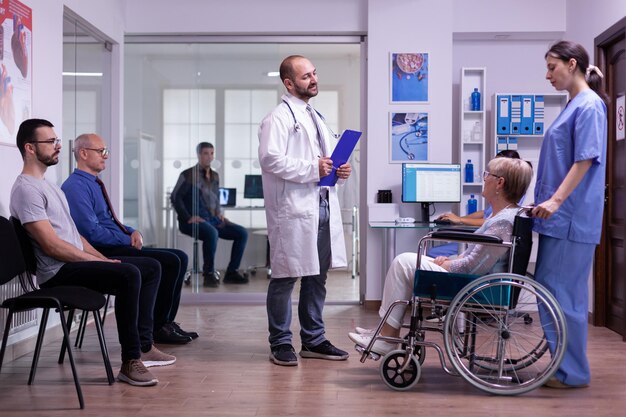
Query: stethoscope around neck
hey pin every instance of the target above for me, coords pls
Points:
(296, 124)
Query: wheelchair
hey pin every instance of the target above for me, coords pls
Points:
(492, 335)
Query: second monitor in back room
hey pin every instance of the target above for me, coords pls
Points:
(253, 187)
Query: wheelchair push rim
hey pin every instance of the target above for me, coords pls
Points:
(504, 353)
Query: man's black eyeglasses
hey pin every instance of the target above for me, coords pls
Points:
(55, 141)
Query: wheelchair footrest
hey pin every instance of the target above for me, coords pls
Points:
(372, 355)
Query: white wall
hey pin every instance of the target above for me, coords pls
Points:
(586, 20)
(509, 16)
(276, 17)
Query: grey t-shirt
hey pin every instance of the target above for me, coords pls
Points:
(34, 199)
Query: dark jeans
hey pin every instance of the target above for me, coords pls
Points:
(312, 295)
(209, 234)
(134, 282)
(173, 267)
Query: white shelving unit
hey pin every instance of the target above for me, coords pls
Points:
(472, 144)
(528, 145)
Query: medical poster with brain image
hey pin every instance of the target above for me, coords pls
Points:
(409, 77)
(16, 34)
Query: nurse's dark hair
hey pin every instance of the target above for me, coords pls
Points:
(286, 67)
(26, 132)
(566, 50)
(203, 145)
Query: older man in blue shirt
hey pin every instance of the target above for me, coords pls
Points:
(95, 219)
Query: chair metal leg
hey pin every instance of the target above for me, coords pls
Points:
(64, 346)
(83, 323)
(103, 317)
(42, 330)
(5, 336)
(67, 342)
(81, 330)
(103, 347)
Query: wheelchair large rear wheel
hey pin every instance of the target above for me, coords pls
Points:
(392, 374)
(504, 353)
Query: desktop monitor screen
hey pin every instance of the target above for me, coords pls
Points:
(431, 183)
(228, 197)
(253, 187)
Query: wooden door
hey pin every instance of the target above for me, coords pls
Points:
(610, 267)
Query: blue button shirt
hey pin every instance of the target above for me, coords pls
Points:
(579, 133)
(90, 211)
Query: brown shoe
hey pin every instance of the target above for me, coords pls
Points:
(154, 357)
(135, 373)
(555, 383)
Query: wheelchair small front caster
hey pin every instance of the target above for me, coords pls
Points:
(392, 374)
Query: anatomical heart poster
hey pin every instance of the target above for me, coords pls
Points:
(16, 64)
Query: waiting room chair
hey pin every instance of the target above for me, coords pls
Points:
(17, 262)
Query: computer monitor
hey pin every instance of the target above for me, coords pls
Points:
(253, 186)
(228, 197)
(431, 183)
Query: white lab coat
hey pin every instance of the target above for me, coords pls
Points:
(289, 163)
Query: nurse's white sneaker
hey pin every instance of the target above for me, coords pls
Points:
(380, 346)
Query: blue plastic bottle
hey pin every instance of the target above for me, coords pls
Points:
(475, 100)
(469, 171)
(472, 204)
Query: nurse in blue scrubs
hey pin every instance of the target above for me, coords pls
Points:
(569, 198)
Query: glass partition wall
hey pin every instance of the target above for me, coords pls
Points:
(86, 87)
(177, 95)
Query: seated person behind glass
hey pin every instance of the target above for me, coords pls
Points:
(505, 182)
(197, 203)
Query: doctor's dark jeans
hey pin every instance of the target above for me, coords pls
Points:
(312, 295)
(134, 282)
(209, 235)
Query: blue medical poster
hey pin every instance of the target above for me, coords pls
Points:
(408, 137)
(409, 77)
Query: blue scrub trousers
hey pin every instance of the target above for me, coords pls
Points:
(563, 268)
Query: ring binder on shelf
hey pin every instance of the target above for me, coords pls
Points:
(504, 117)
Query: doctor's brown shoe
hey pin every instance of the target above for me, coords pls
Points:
(324, 350)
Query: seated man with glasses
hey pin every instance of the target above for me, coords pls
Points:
(95, 219)
(66, 258)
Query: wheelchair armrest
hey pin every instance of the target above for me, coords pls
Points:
(466, 229)
(465, 237)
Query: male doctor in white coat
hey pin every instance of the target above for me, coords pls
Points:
(303, 219)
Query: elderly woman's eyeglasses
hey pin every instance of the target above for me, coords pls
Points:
(103, 151)
(52, 141)
(487, 173)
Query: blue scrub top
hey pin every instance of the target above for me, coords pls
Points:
(579, 133)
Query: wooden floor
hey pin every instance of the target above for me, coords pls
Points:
(226, 372)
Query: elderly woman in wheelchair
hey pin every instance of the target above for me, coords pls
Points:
(482, 333)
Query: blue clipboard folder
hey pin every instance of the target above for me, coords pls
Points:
(341, 154)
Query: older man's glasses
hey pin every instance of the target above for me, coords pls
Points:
(55, 141)
(102, 151)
